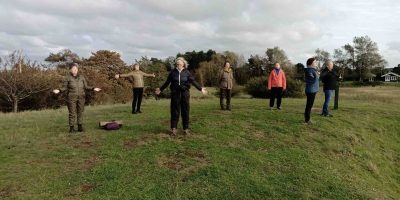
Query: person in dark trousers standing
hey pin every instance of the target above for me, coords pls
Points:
(180, 80)
(312, 86)
(276, 84)
(329, 78)
(138, 86)
(225, 85)
(75, 86)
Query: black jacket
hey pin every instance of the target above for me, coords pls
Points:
(329, 79)
(180, 81)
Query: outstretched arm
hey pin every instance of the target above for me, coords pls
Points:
(167, 82)
(87, 87)
(149, 75)
(123, 75)
(63, 88)
(194, 82)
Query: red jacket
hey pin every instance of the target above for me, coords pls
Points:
(277, 80)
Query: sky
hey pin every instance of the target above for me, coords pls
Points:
(158, 28)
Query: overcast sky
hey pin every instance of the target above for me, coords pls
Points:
(158, 28)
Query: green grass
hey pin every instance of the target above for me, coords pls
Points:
(249, 153)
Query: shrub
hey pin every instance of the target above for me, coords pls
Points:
(236, 90)
(257, 87)
(295, 88)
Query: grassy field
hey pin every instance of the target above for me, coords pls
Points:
(249, 153)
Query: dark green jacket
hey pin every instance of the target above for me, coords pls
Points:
(75, 85)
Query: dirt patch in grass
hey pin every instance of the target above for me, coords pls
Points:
(6, 192)
(89, 163)
(81, 190)
(142, 141)
(171, 162)
(187, 161)
(164, 135)
(85, 188)
(9, 190)
(83, 142)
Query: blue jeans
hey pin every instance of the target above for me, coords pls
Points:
(328, 94)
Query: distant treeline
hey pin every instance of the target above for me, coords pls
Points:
(26, 84)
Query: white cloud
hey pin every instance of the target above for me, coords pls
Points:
(162, 28)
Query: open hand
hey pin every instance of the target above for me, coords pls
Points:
(204, 91)
(97, 89)
(56, 91)
(158, 91)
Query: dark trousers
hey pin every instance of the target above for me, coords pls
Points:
(309, 105)
(137, 99)
(225, 93)
(76, 106)
(276, 92)
(180, 106)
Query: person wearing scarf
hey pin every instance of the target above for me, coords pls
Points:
(276, 84)
(225, 85)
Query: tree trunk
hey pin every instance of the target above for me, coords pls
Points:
(15, 104)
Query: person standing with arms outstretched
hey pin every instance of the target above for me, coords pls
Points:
(329, 78)
(138, 86)
(277, 85)
(75, 86)
(225, 85)
(180, 80)
(312, 86)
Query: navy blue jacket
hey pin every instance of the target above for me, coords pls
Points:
(329, 79)
(180, 81)
(312, 80)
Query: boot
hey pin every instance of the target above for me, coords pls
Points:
(71, 129)
(173, 132)
(80, 128)
(186, 132)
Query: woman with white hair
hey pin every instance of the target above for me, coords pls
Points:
(180, 80)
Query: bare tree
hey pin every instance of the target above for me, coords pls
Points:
(20, 78)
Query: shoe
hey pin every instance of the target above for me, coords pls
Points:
(138, 111)
(222, 107)
(186, 132)
(173, 132)
(309, 123)
(228, 108)
(71, 129)
(279, 108)
(271, 108)
(80, 128)
(134, 112)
